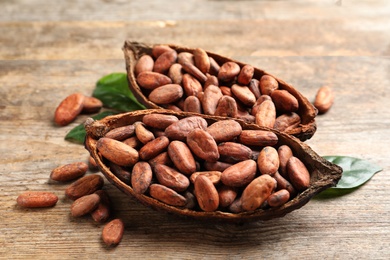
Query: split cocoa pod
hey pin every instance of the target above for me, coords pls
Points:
(193, 80)
(207, 167)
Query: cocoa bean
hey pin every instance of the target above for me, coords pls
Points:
(257, 192)
(226, 107)
(159, 121)
(165, 61)
(121, 133)
(113, 232)
(69, 108)
(141, 177)
(69, 171)
(166, 94)
(144, 63)
(232, 152)
(203, 145)
(245, 75)
(324, 99)
(214, 176)
(210, 100)
(298, 174)
(167, 195)
(228, 71)
(153, 148)
(192, 104)
(266, 114)
(206, 194)
(84, 186)
(180, 129)
(268, 160)
(175, 73)
(284, 153)
(257, 138)
(268, 84)
(278, 198)
(37, 199)
(224, 130)
(284, 101)
(287, 121)
(239, 174)
(117, 152)
(181, 156)
(244, 94)
(171, 178)
(202, 60)
(152, 80)
(84, 205)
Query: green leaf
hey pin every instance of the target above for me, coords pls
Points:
(356, 172)
(113, 90)
(77, 134)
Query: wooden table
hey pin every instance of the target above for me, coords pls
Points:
(50, 49)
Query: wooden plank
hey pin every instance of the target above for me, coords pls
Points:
(353, 226)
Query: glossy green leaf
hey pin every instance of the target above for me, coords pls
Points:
(356, 172)
(113, 90)
(77, 134)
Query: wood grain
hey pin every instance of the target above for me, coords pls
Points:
(50, 50)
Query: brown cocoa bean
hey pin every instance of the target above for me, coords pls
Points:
(84, 205)
(91, 105)
(191, 85)
(268, 84)
(203, 145)
(324, 99)
(261, 99)
(284, 101)
(159, 49)
(236, 206)
(84, 186)
(192, 104)
(268, 160)
(162, 158)
(287, 121)
(113, 232)
(121, 133)
(239, 174)
(153, 148)
(214, 176)
(191, 200)
(257, 138)
(202, 60)
(167, 195)
(159, 121)
(152, 80)
(184, 57)
(232, 152)
(298, 174)
(211, 80)
(180, 129)
(244, 94)
(141, 177)
(166, 94)
(206, 194)
(224, 130)
(102, 212)
(117, 152)
(245, 75)
(266, 114)
(175, 73)
(182, 157)
(133, 142)
(210, 100)
(194, 71)
(143, 134)
(284, 153)
(226, 195)
(144, 63)
(69, 108)
(226, 107)
(216, 166)
(254, 86)
(226, 91)
(282, 183)
(214, 67)
(278, 198)
(165, 61)
(171, 178)
(257, 192)
(37, 199)
(121, 172)
(69, 171)
(228, 71)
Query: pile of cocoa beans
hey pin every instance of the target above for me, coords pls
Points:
(188, 163)
(87, 195)
(195, 82)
